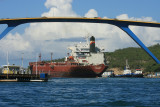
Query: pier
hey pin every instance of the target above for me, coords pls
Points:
(43, 77)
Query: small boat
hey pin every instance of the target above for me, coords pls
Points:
(138, 73)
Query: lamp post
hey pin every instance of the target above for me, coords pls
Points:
(22, 70)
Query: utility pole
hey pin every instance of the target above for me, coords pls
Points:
(36, 65)
(51, 56)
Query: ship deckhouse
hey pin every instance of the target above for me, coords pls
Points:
(87, 53)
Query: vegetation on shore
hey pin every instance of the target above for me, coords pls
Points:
(137, 58)
(55, 60)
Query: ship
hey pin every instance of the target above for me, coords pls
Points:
(85, 60)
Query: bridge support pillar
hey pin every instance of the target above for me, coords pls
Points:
(126, 29)
(9, 28)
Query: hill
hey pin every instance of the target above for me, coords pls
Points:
(137, 58)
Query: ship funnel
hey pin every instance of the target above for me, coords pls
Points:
(92, 44)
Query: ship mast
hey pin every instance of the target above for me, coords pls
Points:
(39, 57)
(22, 60)
(127, 66)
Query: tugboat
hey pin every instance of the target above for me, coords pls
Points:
(127, 72)
(85, 60)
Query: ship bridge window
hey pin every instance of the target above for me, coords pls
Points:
(74, 63)
(85, 49)
(81, 53)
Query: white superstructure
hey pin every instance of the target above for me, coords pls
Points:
(138, 71)
(81, 54)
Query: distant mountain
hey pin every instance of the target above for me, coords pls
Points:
(137, 58)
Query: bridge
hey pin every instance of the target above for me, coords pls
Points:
(122, 24)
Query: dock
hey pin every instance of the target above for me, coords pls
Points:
(43, 77)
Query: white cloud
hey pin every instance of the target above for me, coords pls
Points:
(15, 42)
(41, 37)
(59, 8)
(126, 17)
(122, 17)
(91, 13)
(57, 3)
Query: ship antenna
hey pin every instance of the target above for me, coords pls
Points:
(40, 57)
(87, 38)
(22, 60)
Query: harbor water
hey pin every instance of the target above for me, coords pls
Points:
(82, 92)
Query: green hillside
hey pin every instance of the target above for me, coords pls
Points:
(137, 58)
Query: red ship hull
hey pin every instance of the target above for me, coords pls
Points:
(67, 69)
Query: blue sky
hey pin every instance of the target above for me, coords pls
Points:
(31, 39)
(112, 8)
(109, 8)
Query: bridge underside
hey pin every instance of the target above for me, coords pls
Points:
(122, 24)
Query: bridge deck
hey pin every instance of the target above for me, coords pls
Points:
(77, 19)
